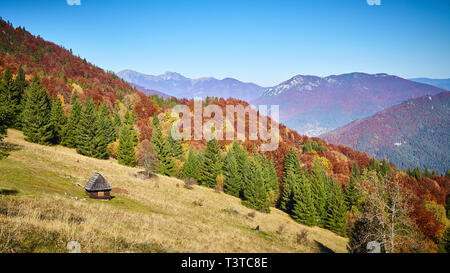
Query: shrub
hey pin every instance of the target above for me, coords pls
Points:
(302, 236)
(113, 149)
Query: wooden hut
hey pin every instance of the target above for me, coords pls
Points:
(98, 188)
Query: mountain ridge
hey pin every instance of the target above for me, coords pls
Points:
(313, 105)
(409, 134)
(177, 85)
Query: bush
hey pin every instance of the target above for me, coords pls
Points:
(113, 149)
(302, 236)
(219, 183)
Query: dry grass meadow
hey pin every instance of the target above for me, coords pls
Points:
(39, 212)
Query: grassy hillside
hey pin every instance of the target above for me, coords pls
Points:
(38, 211)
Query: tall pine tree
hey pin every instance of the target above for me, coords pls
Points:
(233, 178)
(86, 130)
(255, 194)
(352, 193)
(335, 207)
(126, 146)
(191, 166)
(303, 210)
(17, 97)
(210, 165)
(163, 149)
(70, 131)
(318, 179)
(6, 111)
(176, 150)
(36, 116)
(291, 164)
(58, 120)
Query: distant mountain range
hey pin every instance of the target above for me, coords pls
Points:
(149, 92)
(313, 105)
(441, 83)
(413, 133)
(177, 85)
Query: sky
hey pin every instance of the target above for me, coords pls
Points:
(260, 41)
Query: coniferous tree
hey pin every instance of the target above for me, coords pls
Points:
(352, 193)
(166, 163)
(416, 173)
(157, 137)
(58, 120)
(291, 164)
(106, 125)
(233, 178)
(129, 119)
(117, 123)
(210, 167)
(272, 184)
(191, 167)
(335, 219)
(70, 131)
(87, 130)
(303, 210)
(427, 173)
(307, 147)
(163, 150)
(242, 161)
(6, 112)
(255, 194)
(176, 150)
(17, 97)
(127, 146)
(36, 116)
(317, 181)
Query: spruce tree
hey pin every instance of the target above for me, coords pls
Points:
(103, 134)
(242, 161)
(307, 147)
(233, 179)
(36, 116)
(86, 129)
(318, 179)
(255, 194)
(303, 210)
(117, 123)
(210, 165)
(291, 164)
(272, 184)
(163, 150)
(58, 120)
(157, 137)
(416, 173)
(166, 163)
(176, 150)
(126, 146)
(17, 97)
(335, 219)
(191, 167)
(106, 125)
(427, 173)
(6, 112)
(70, 132)
(352, 193)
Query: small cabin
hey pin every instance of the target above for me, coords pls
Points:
(98, 188)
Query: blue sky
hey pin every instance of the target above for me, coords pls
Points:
(265, 42)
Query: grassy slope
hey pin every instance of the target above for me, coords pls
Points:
(38, 215)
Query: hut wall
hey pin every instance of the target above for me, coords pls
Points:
(99, 195)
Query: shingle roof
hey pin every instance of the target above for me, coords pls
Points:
(98, 183)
